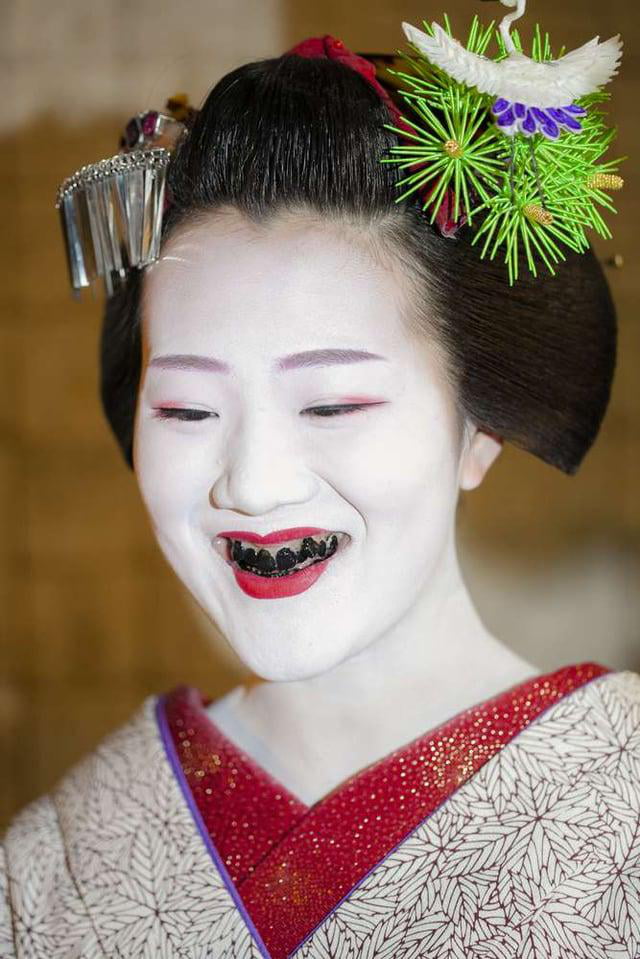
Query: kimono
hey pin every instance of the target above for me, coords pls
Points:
(512, 831)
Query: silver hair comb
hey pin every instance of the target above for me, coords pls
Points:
(111, 211)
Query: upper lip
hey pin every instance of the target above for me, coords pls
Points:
(278, 536)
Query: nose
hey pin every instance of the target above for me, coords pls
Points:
(261, 469)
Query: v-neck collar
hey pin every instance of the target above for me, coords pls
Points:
(287, 864)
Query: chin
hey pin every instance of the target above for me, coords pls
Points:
(289, 665)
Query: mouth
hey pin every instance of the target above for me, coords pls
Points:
(279, 560)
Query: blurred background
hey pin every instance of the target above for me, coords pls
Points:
(92, 620)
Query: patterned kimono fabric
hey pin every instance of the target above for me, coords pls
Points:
(510, 832)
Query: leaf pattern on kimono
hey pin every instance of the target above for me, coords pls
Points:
(500, 788)
(342, 934)
(356, 920)
(516, 893)
(333, 945)
(496, 945)
(40, 855)
(384, 940)
(112, 864)
(607, 896)
(538, 856)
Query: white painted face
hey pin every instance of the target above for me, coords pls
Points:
(225, 309)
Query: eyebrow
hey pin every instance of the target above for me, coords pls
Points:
(293, 361)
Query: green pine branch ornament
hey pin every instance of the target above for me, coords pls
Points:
(526, 179)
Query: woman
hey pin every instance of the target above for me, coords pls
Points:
(303, 383)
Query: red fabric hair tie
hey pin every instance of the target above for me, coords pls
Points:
(334, 49)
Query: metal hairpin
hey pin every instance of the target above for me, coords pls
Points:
(111, 211)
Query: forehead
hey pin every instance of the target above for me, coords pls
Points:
(282, 285)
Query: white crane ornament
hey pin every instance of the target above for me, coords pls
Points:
(532, 97)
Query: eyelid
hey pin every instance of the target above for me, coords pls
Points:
(347, 407)
(182, 413)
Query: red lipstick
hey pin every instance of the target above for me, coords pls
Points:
(264, 587)
(279, 536)
(261, 587)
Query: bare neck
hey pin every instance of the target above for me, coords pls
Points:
(436, 661)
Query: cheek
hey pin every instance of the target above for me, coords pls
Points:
(409, 466)
(172, 484)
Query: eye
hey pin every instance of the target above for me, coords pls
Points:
(177, 413)
(344, 409)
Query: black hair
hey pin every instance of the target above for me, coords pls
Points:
(532, 363)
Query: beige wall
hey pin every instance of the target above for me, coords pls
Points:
(92, 620)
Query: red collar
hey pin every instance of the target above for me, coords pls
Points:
(292, 864)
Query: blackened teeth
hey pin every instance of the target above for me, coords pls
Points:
(263, 563)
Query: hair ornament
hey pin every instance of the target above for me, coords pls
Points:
(111, 211)
(510, 145)
(365, 65)
(519, 138)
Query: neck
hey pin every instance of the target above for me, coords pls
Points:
(435, 661)
(505, 24)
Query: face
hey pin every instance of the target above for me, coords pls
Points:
(282, 393)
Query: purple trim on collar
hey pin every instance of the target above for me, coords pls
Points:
(174, 762)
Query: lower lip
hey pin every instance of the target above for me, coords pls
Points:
(278, 587)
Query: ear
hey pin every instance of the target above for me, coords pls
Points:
(479, 453)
